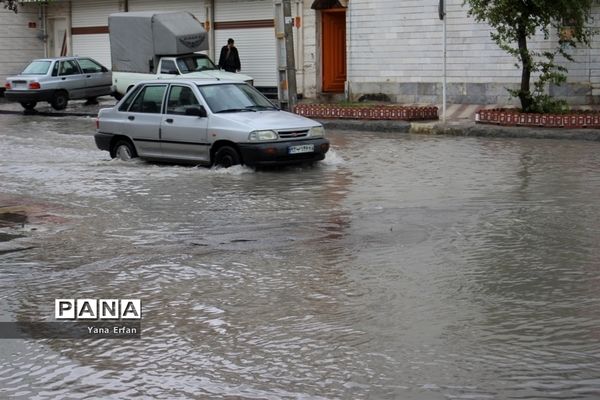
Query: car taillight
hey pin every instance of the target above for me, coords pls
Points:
(34, 85)
(97, 123)
(7, 86)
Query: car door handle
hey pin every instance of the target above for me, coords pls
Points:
(169, 120)
(62, 79)
(131, 118)
(88, 76)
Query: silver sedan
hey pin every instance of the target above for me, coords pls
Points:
(207, 122)
(58, 80)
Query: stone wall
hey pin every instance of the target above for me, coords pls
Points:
(395, 47)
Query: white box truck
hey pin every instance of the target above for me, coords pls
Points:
(160, 45)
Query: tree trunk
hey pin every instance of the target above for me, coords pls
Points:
(524, 93)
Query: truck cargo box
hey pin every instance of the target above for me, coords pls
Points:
(137, 39)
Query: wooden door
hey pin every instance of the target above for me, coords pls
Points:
(333, 43)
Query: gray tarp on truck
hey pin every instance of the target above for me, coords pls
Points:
(137, 39)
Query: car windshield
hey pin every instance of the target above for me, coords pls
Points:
(37, 68)
(234, 97)
(194, 63)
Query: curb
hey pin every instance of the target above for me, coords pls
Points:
(495, 131)
(367, 125)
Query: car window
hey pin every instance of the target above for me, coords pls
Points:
(89, 67)
(168, 67)
(129, 99)
(149, 100)
(234, 97)
(37, 68)
(194, 63)
(180, 98)
(68, 67)
(55, 69)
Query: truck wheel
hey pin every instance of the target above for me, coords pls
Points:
(123, 150)
(28, 105)
(227, 157)
(118, 96)
(60, 100)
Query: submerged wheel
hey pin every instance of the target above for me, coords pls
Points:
(60, 100)
(227, 157)
(28, 105)
(123, 150)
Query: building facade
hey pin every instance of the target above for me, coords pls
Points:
(344, 49)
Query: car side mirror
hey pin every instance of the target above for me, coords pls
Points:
(198, 111)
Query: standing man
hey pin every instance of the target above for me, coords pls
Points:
(230, 59)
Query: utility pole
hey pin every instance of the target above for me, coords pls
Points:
(442, 14)
(284, 24)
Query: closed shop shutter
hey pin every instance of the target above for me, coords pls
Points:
(196, 7)
(89, 28)
(250, 24)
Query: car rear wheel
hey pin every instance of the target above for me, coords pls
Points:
(60, 101)
(28, 105)
(123, 150)
(227, 157)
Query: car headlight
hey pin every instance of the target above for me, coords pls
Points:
(259, 136)
(317, 131)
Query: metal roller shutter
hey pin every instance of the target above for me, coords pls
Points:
(196, 7)
(237, 19)
(89, 24)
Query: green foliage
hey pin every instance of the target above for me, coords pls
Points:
(10, 5)
(517, 21)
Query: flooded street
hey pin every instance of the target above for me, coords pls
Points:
(401, 267)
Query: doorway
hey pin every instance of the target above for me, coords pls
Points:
(333, 41)
(57, 37)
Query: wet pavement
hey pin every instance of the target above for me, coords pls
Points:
(402, 267)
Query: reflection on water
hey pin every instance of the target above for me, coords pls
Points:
(401, 267)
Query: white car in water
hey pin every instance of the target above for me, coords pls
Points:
(207, 122)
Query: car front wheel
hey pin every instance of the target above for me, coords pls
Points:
(60, 100)
(123, 150)
(227, 157)
(28, 105)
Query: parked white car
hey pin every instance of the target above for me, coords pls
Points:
(220, 123)
(189, 66)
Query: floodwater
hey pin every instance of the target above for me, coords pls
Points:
(402, 267)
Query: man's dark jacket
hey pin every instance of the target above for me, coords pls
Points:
(231, 63)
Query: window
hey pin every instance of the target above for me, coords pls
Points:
(90, 67)
(168, 67)
(37, 68)
(149, 100)
(194, 63)
(55, 69)
(180, 98)
(68, 67)
(130, 97)
(234, 97)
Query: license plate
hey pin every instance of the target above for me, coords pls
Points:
(305, 148)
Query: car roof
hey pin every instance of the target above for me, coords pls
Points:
(59, 58)
(196, 81)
